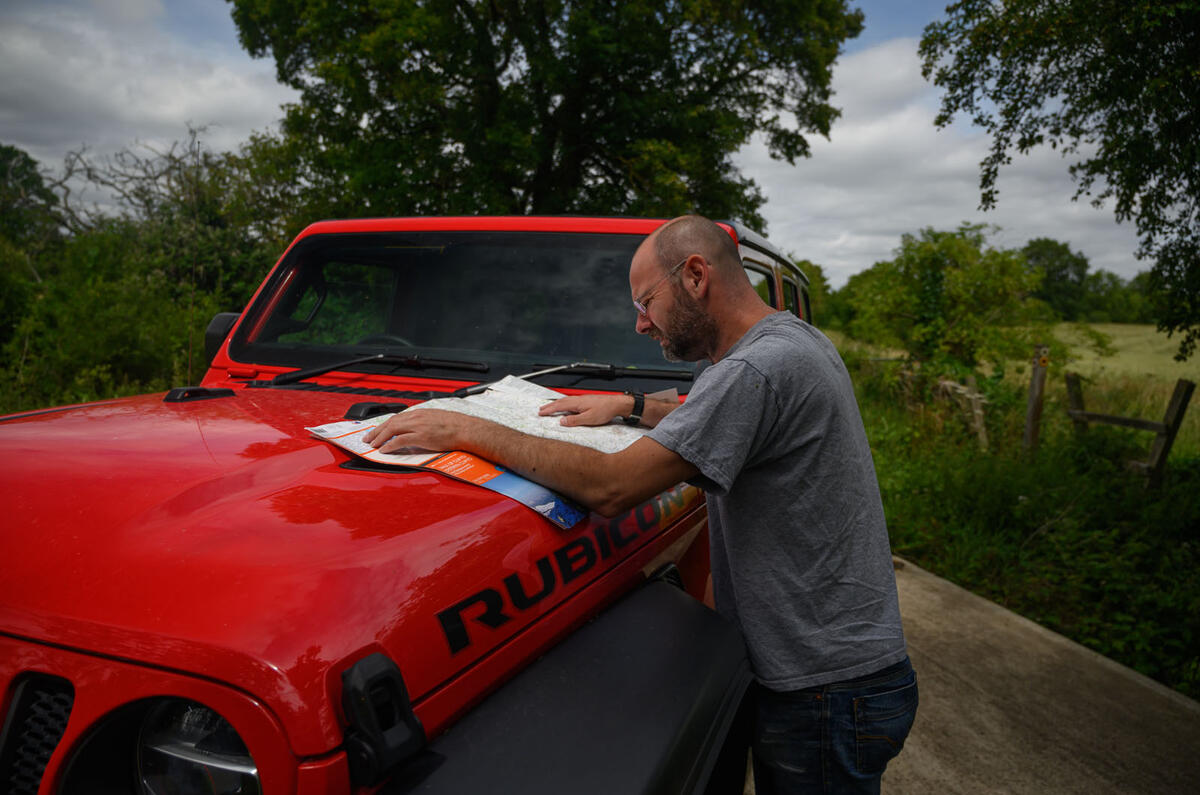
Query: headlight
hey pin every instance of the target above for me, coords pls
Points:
(184, 748)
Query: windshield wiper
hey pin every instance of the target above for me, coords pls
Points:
(415, 362)
(590, 368)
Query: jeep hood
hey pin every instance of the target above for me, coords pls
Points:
(219, 538)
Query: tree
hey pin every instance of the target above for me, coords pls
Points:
(818, 286)
(1107, 298)
(121, 305)
(949, 300)
(1114, 83)
(27, 205)
(28, 226)
(546, 106)
(1063, 274)
(107, 321)
(214, 221)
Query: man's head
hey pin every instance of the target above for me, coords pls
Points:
(695, 234)
(686, 276)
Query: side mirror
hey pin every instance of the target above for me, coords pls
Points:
(218, 329)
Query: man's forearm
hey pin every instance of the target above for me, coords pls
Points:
(607, 483)
(653, 409)
(656, 410)
(570, 469)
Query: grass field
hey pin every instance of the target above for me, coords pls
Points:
(1066, 537)
(1139, 351)
(1136, 380)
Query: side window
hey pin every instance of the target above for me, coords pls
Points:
(346, 302)
(791, 297)
(763, 283)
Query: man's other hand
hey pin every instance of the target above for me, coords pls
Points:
(588, 409)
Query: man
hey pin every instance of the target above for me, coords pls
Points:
(800, 556)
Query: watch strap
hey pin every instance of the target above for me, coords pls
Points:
(639, 405)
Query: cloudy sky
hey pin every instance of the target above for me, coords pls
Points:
(108, 73)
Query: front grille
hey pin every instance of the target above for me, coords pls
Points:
(32, 730)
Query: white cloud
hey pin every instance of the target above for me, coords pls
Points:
(888, 171)
(105, 73)
(128, 12)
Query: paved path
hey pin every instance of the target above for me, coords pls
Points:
(1010, 707)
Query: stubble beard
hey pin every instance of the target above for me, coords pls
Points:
(689, 333)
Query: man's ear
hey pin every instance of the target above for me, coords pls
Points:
(696, 276)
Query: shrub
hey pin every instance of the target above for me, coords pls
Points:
(1069, 537)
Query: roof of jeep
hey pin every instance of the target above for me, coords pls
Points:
(537, 223)
(748, 237)
(517, 223)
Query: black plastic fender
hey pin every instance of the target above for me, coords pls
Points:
(643, 699)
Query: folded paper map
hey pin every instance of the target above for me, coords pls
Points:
(511, 402)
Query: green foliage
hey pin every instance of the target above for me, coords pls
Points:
(215, 220)
(1076, 295)
(110, 322)
(1110, 299)
(28, 229)
(1068, 538)
(15, 287)
(119, 305)
(27, 206)
(837, 311)
(1063, 274)
(515, 106)
(818, 288)
(950, 300)
(1113, 82)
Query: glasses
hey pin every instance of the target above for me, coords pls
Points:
(639, 303)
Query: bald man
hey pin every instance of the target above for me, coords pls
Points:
(800, 556)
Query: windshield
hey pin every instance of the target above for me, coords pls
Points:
(513, 300)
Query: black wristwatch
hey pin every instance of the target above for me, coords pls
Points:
(639, 403)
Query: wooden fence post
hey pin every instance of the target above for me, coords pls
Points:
(1075, 401)
(1037, 386)
(976, 400)
(1173, 418)
(1164, 431)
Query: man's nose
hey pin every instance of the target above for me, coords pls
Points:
(642, 324)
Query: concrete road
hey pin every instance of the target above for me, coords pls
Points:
(1010, 707)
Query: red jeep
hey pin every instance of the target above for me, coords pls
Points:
(198, 596)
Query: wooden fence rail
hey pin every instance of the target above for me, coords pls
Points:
(1165, 431)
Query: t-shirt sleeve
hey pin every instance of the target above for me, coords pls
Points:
(721, 424)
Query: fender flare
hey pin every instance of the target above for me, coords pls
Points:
(647, 698)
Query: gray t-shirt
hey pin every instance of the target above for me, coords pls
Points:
(800, 555)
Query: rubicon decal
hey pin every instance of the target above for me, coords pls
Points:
(493, 607)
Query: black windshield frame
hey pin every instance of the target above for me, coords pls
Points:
(513, 299)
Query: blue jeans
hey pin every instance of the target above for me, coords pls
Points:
(835, 738)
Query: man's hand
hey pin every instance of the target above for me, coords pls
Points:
(426, 429)
(603, 409)
(589, 409)
(606, 483)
